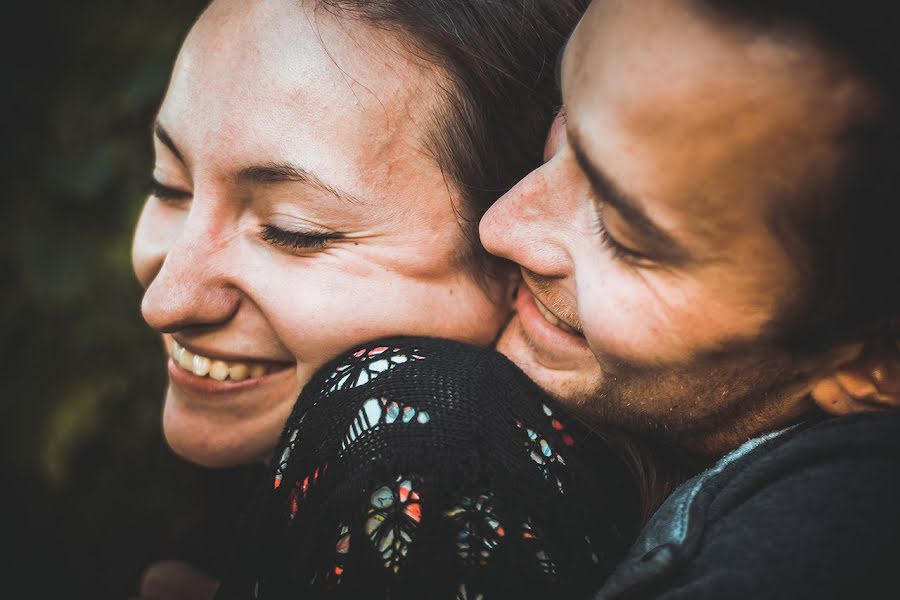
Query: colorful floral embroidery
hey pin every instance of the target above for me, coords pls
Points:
(341, 550)
(301, 490)
(377, 411)
(394, 513)
(533, 537)
(366, 365)
(479, 530)
(566, 437)
(285, 456)
(542, 453)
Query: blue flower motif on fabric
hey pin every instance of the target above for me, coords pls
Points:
(394, 513)
(381, 411)
(543, 455)
(479, 531)
(367, 364)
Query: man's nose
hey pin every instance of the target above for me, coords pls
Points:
(194, 287)
(529, 226)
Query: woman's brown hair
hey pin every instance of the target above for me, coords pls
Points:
(498, 58)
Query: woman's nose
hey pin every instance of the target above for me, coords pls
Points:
(528, 224)
(193, 287)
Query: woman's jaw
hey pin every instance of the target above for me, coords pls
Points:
(218, 421)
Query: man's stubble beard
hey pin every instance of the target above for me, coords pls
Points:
(709, 404)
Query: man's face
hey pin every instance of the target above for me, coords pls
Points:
(652, 269)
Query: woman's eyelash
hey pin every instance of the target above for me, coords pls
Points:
(164, 192)
(297, 240)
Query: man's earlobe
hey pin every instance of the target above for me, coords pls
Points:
(870, 382)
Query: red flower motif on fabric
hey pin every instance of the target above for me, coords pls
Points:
(301, 490)
(558, 425)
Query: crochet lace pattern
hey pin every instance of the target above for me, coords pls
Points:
(423, 468)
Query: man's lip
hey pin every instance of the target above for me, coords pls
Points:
(225, 356)
(189, 382)
(575, 329)
(541, 331)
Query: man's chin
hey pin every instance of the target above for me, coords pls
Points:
(568, 381)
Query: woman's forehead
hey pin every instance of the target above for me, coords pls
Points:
(281, 74)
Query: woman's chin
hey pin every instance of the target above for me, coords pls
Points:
(219, 439)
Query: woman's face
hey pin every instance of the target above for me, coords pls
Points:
(298, 212)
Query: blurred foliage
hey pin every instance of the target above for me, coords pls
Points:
(91, 492)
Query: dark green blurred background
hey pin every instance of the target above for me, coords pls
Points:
(91, 493)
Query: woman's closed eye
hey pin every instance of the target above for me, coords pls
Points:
(167, 193)
(298, 240)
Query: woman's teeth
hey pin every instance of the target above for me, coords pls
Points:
(216, 369)
(551, 318)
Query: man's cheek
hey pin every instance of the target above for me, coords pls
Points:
(635, 330)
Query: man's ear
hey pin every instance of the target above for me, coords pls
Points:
(866, 382)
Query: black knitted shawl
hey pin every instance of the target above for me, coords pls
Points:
(423, 468)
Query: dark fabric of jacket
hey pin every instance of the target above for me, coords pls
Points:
(808, 512)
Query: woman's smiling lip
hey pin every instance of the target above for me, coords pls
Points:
(217, 355)
(198, 370)
(203, 386)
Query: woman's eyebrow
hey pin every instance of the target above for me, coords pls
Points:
(266, 173)
(274, 173)
(163, 136)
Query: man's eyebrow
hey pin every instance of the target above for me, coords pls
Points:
(660, 244)
(166, 139)
(274, 173)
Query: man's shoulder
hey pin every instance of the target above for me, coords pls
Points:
(808, 511)
(872, 431)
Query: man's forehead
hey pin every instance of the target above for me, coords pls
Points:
(641, 51)
(680, 108)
